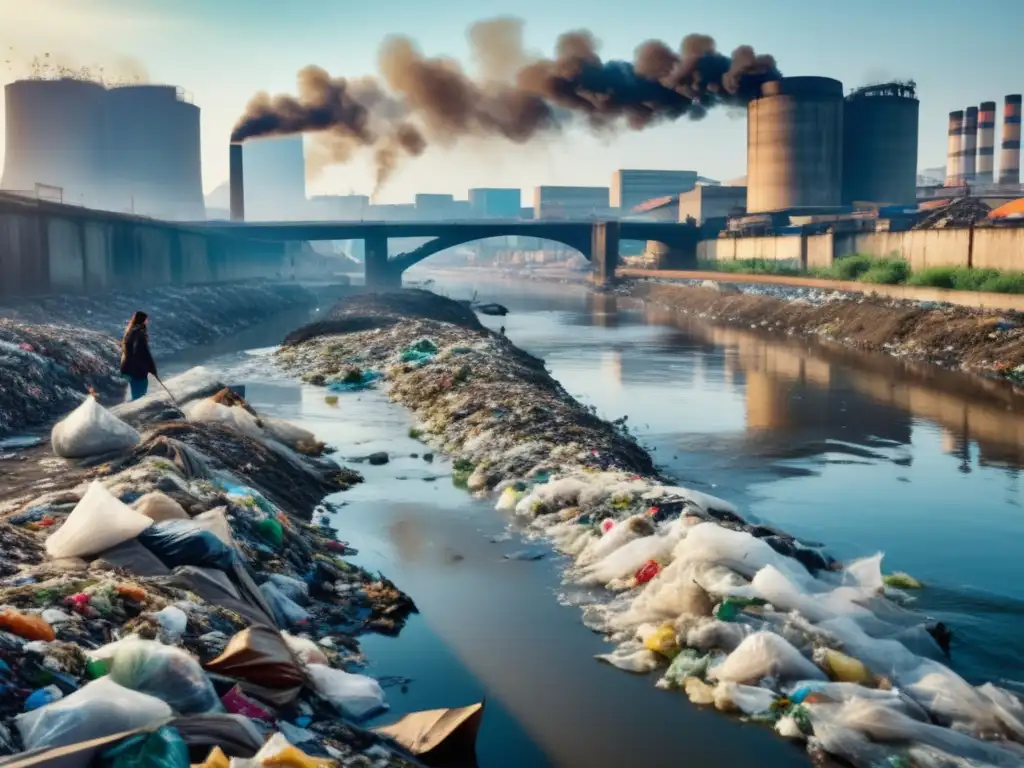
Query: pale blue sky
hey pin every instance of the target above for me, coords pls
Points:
(221, 51)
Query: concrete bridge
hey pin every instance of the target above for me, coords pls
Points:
(597, 240)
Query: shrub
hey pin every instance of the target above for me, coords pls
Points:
(887, 272)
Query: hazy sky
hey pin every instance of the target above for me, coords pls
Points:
(222, 51)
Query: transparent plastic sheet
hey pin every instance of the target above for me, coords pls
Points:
(357, 695)
(748, 699)
(765, 654)
(166, 673)
(100, 708)
(738, 551)
(844, 692)
(625, 561)
(97, 523)
(631, 657)
(91, 430)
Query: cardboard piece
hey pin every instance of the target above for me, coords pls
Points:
(423, 733)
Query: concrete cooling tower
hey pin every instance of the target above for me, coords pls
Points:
(880, 127)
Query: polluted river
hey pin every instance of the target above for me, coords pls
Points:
(859, 452)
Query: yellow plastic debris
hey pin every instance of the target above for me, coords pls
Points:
(901, 580)
(843, 668)
(293, 757)
(216, 759)
(663, 641)
(698, 691)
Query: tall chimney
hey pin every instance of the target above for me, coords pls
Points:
(969, 148)
(986, 142)
(954, 172)
(236, 182)
(1009, 159)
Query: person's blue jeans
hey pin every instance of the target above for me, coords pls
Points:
(139, 387)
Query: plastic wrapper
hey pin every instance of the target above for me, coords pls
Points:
(159, 506)
(98, 522)
(91, 430)
(357, 695)
(164, 672)
(184, 542)
(163, 748)
(764, 654)
(287, 612)
(100, 708)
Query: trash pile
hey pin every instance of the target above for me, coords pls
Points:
(47, 369)
(737, 614)
(189, 603)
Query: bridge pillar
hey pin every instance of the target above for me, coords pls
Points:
(380, 274)
(604, 251)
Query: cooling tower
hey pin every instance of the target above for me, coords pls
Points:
(54, 136)
(1009, 158)
(880, 127)
(986, 142)
(954, 168)
(969, 146)
(153, 151)
(795, 145)
(236, 182)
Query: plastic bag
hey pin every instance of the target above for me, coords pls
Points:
(100, 708)
(167, 673)
(279, 752)
(287, 612)
(698, 692)
(294, 589)
(765, 654)
(91, 430)
(287, 433)
(163, 748)
(746, 698)
(184, 542)
(688, 663)
(663, 641)
(211, 412)
(173, 622)
(159, 507)
(843, 668)
(305, 650)
(357, 695)
(98, 522)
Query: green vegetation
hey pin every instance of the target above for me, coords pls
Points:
(890, 270)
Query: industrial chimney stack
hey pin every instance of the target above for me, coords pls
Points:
(236, 182)
(969, 147)
(986, 142)
(1009, 160)
(954, 169)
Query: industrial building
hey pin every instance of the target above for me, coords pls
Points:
(551, 202)
(495, 203)
(710, 204)
(971, 149)
(275, 179)
(434, 206)
(630, 188)
(132, 148)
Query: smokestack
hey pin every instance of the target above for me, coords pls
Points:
(969, 148)
(986, 142)
(1009, 159)
(954, 170)
(236, 176)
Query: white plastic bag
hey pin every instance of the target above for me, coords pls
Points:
(748, 699)
(166, 673)
(101, 708)
(287, 433)
(98, 522)
(305, 650)
(159, 506)
(358, 695)
(91, 430)
(173, 622)
(765, 654)
(209, 411)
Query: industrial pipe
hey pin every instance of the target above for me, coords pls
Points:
(969, 148)
(986, 142)
(954, 170)
(1009, 159)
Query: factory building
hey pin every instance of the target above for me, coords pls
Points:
(495, 203)
(132, 148)
(550, 202)
(630, 188)
(795, 145)
(880, 134)
(434, 206)
(275, 179)
(707, 204)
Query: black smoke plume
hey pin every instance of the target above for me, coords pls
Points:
(417, 100)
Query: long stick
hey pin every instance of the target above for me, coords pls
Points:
(166, 390)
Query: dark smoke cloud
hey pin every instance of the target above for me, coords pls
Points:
(419, 100)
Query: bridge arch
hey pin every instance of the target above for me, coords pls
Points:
(404, 261)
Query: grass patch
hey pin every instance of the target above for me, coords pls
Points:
(753, 267)
(964, 279)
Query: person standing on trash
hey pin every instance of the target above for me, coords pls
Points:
(136, 359)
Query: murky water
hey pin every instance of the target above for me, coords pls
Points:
(863, 453)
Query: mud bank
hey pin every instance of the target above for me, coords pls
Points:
(207, 540)
(723, 608)
(54, 349)
(984, 343)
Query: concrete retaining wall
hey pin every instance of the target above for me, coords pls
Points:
(42, 252)
(788, 249)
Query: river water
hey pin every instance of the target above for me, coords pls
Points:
(861, 452)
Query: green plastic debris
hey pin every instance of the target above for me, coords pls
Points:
(460, 477)
(270, 530)
(689, 663)
(96, 668)
(164, 748)
(420, 352)
(901, 580)
(802, 717)
(730, 608)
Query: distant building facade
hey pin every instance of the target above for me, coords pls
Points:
(550, 202)
(275, 179)
(495, 203)
(630, 188)
(434, 206)
(339, 207)
(715, 202)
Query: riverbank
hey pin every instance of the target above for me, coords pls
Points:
(52, 349)
(470, 401)
(985, 343)
(209, 541)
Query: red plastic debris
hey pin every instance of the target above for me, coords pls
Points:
(607, 524)
(648, 571)
(652, 511)
(336, 546)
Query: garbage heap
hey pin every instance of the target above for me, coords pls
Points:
(738, 615)
(45, 368)
(188, 603)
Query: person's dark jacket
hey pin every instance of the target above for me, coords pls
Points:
(136, 360)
